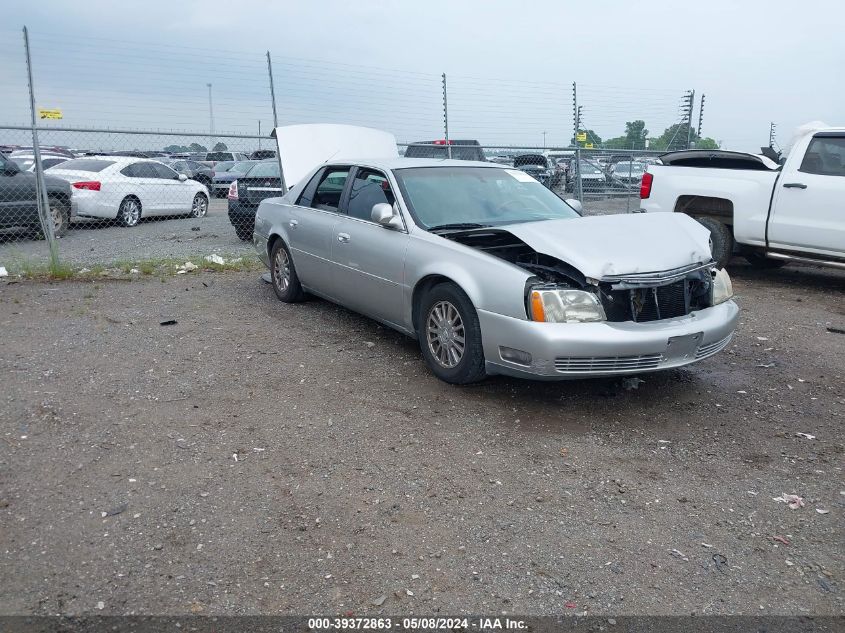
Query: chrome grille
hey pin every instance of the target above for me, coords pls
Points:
(598, 364)
(711, 348)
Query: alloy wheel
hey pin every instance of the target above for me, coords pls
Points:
(281, 270)
(445, 334)
(131, 213)
(200, 206)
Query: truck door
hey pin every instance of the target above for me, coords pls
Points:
(808, 212)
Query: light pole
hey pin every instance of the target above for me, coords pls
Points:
(210, 117)
(544, 141)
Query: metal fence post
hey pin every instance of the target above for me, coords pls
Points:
(44, 213)
(579, 190)
(276, 124)
(446, 119)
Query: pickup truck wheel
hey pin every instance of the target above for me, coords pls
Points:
(759, 260)
(450, 335)
(283, 274)
(721, 238)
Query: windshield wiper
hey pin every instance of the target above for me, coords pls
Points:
(457, 226)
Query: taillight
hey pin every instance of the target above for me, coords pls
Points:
(90, 185)
(233, 191)
(645, 185)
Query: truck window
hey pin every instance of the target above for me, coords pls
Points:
(825, 156)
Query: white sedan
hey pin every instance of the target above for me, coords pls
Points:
(126, 189)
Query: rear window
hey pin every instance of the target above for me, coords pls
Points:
(86, 164)
(264, 170)
(218, 156)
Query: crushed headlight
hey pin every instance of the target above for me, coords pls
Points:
(722, 288)
(562, 305)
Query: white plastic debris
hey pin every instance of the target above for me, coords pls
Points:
(821, 511)
(3, 272)
(101, 605)
(134, 271)
(215, 259)
(793, 501)
(806, 436)
(189, 266)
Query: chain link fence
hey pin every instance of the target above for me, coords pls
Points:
(134, 167)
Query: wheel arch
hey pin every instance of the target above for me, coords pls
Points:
(721, 209)
(425, 284)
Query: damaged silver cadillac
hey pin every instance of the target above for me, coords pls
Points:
(495, 274)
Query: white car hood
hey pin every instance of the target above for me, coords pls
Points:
(304, 147)
(605, 245)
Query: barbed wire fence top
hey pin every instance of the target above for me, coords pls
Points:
(153, 151)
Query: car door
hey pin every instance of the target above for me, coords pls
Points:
(311, 229)
(177, 196)
(368, 258)
(808, 213)
(17, 194)
(142, 181)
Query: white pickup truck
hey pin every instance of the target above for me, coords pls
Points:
(772, 214)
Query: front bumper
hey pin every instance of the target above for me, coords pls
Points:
(581, 350)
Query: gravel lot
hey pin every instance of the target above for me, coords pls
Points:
(90, 243)
(258, 457)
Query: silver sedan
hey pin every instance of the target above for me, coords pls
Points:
(494, 273)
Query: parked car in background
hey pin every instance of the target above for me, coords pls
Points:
(627, 173)
(194, 170)
(535, 165)
(246, 193)
(211, 158)
(772, 214)
(19, 200)
(495, 274)
(593, 179)
(459, 149)
(228, 172)
(501, 160)
(26, 161)
(128, 189)
(262, 154)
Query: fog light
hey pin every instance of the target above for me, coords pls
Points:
(515, 356)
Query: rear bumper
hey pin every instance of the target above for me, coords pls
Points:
(580, 350)
(240, 212)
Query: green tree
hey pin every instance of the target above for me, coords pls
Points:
(674, 138)
(196, 147)
(219, 147)
(175, 148)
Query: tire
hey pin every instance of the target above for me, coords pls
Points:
(129, 212)
(283, 274)
(446, 316)
(244, 231)
(722, 240)
(199, 207)
(759, 260)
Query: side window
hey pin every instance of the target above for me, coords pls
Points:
(163, 171)
(328, 192)
(369, 188)
(131, 171)
(307, 194)
(826, 156)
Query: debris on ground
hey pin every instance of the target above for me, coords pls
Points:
(835, 330)
(215, 259)
(781, 539)
(3, 272)
(378, 601)
(632, 383)
(679, 554)
(766, 365)
(794, 501)
(822, 511)
(721, 562)
(169, 322)
(134, 271)
(806, 436)
(118, 509)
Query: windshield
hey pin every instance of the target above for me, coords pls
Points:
(625, 167)
(224, 165)
(217, 156)
(269, 169)
(477, 195)
(241, 167)
(587, 168)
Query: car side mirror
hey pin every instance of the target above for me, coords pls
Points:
(181, 177)
(383, 214)
(575, 204)
(10, 168)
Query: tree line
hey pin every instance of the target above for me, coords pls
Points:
(674, 137)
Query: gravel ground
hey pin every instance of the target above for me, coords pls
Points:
(90, 243)
(258, 457)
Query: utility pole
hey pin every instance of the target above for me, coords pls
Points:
(44, 212)
(576, 109)
(446, 119)
(544, 140)
(276, 124)
(772, 131)
(689, 101)
(210, 118)
(259, 133)
(700, 115)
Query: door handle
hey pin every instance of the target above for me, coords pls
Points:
(293, 224)
(343, 237)
(794, 185)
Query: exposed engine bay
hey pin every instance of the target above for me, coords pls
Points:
(639, 298)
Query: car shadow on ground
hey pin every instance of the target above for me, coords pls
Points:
(803, 276)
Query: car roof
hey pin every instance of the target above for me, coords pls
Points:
(407, 163)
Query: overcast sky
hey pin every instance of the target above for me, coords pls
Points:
(509, 65)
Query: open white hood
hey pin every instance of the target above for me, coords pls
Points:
(304, 147)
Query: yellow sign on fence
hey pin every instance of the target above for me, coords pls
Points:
(588, 146)
(581, 137)
(49, 114)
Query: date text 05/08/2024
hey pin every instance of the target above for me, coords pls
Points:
(415, 623)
